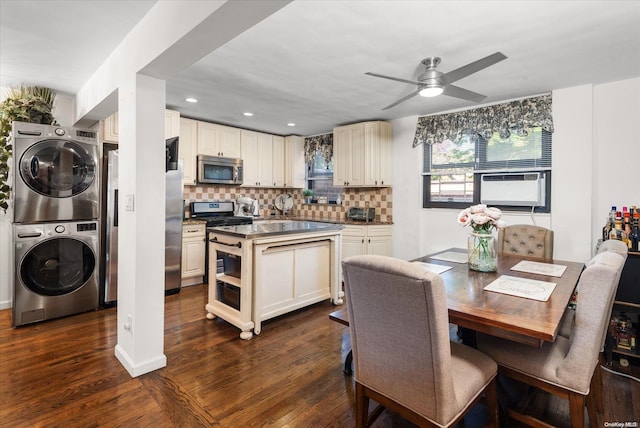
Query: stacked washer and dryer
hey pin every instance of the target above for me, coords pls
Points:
(55, 224)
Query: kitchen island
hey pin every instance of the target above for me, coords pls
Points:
(266, 269)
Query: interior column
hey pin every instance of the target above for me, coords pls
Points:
(141, 207)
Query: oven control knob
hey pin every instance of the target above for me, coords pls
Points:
(59, 229)
(60, 132)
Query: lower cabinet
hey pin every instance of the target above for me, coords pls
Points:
(193, 252)
(359, 240)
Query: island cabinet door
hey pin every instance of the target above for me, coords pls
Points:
(289, 277)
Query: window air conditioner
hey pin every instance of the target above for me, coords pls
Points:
(518, 189)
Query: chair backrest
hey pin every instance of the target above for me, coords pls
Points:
(615, 246)
(400, 332)
(597, 285)
(526, 240)
(614, 257)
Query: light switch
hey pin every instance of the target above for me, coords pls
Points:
(129, 203)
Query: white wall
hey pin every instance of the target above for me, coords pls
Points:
(595, 165)
(616, 166)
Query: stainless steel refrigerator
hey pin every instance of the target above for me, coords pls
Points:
(173, 224)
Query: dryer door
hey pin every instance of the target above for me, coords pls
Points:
(57, 266)
(57, 168)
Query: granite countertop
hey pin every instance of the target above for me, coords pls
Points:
(307, 219)
(193, 221)
(324, 220)
(275, 228)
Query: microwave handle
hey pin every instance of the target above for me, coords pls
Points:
(235, 175)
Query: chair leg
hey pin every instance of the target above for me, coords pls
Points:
(362, 407)
(576, 409)
(596, 386)
(491, 396)
(591, 410)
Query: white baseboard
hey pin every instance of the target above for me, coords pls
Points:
(147, 366)
(6, 304)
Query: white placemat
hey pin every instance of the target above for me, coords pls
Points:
(451, 256)
(431, 267)
(522, 287)
(548, 269)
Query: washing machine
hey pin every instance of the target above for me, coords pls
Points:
(55, 173)
(56, 270)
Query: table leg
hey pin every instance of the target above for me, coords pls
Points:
(468, 336)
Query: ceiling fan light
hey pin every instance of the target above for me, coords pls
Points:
(431, 91)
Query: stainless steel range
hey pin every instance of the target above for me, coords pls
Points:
(218, 213)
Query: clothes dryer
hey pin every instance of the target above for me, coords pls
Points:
(55, 174)
(56, 270)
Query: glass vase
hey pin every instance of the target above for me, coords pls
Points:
(482, 252)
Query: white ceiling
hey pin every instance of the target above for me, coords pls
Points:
(306, 63)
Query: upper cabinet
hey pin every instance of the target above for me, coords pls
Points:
(218, 140)
(110, 126)
(272, 160)
(187, 149)
(263, 156)
(171, 124)
(362, 155)
(294, 161)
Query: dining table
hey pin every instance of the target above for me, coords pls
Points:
(526, 315)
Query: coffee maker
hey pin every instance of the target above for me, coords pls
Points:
(246, 207)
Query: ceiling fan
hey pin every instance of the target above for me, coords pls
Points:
(432, 82)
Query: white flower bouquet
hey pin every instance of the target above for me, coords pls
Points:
(481, 218)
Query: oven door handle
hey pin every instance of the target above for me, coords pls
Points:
(215, 240)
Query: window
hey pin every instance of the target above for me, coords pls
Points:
(453, 170)
(318, 154)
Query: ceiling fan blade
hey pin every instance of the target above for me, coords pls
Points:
(393, 78)
(471, 68)
(458, 92)
(403, 99)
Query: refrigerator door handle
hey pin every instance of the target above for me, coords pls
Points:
(115, 208)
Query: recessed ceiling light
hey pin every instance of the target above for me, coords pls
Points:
(191, 100)
(291, 124)
(248, 114)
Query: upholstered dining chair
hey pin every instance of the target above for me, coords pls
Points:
(403, 358)
(526, 240)
(566, 367)
(608, 255)
(612, 246)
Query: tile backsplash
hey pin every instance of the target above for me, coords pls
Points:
(378, 198)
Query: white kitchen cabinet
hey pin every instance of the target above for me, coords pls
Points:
(187, 150)
(218, 140)
(277, 160)
(110, 126)
(171, 123)
(292, 274)
(265, 160)
(264, 157)
(193, 253)
(294, 176)
(362, 155)
(250, 158)
(359, 240)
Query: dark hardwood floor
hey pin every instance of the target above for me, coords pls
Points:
(63, 373)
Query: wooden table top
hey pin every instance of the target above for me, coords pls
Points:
(515, 318)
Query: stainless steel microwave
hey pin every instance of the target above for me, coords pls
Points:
(219, 170)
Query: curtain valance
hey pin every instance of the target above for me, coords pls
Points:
(516, 115)
(322, 143)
